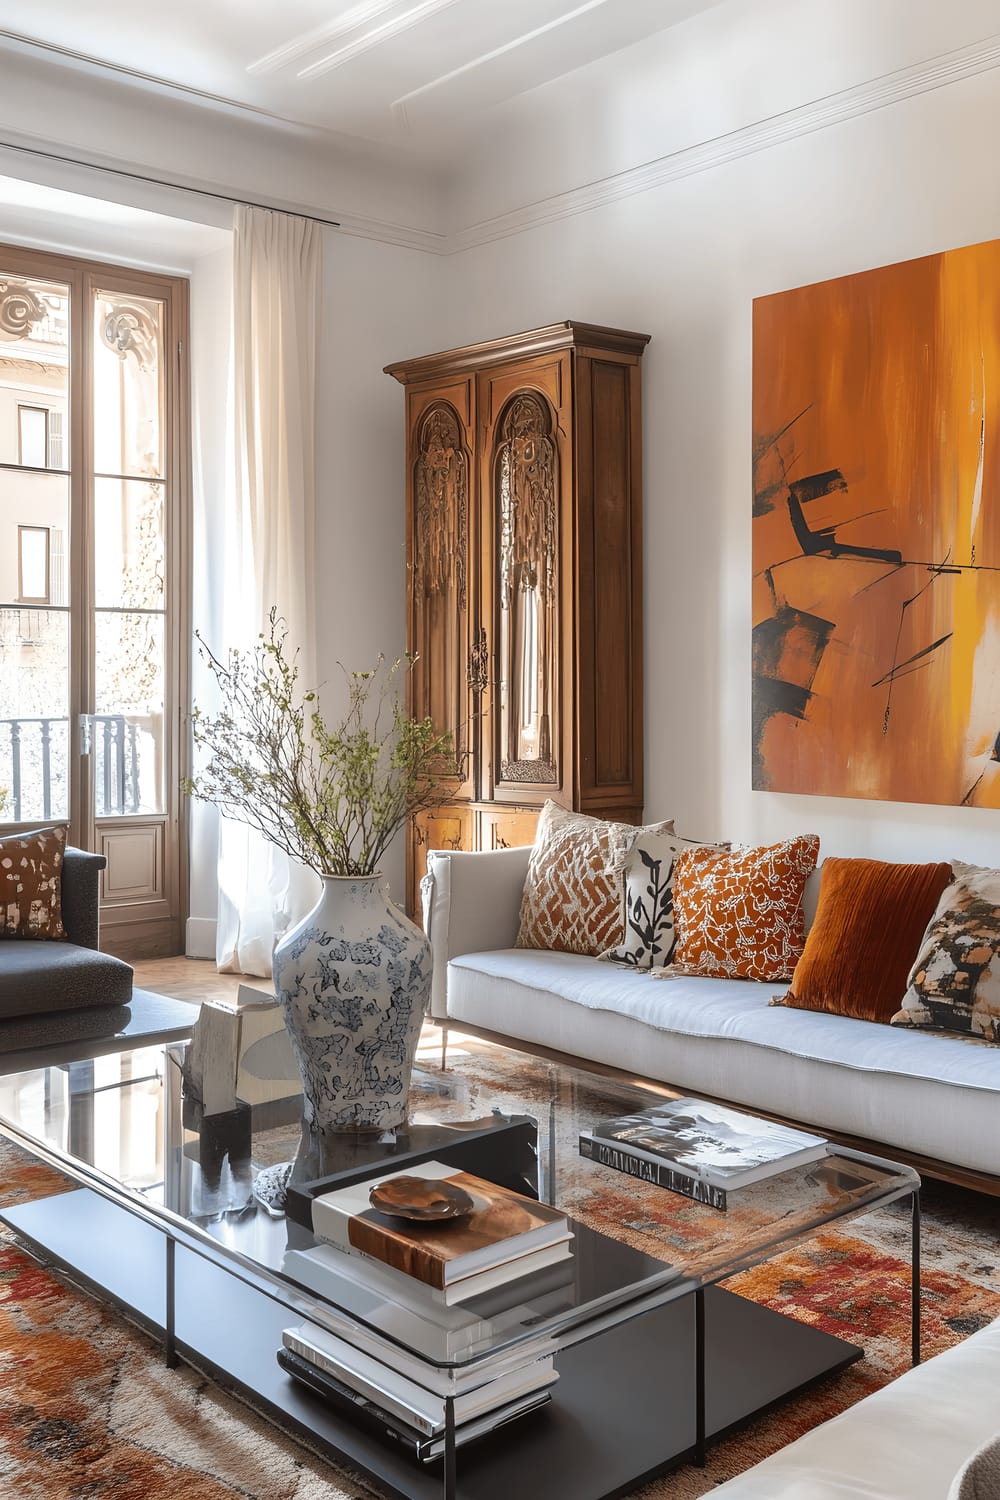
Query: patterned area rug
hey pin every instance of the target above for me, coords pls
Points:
(88, 1412)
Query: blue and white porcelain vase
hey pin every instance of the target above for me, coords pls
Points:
(353, 979)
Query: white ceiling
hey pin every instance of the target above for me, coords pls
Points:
(416, 73)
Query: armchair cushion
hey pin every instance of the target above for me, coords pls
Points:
(37, 978)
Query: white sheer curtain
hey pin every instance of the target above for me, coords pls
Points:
(271, 536)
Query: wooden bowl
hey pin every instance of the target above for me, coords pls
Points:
(420, 1198)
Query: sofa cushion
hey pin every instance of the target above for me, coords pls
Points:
(739, 914)
(573, 899)
(30, 884)
(867, 931)
(56, 1028)
(903, 1442)
(37, 978)
(923, 1092)
(954, 984)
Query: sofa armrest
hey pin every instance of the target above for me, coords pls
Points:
(472, 904)
(81, 889)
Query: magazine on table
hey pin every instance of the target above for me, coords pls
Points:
(722, 1147)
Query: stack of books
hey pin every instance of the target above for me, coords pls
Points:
(702, 1150)
(413, 1281)
(402, 1398)
(504, 1237)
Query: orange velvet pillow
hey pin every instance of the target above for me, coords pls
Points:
(738, 914)
(869, 925)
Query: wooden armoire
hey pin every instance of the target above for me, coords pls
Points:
(524, 579)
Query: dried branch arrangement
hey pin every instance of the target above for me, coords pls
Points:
(332, 796)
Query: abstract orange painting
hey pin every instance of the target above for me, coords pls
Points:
(876, 533)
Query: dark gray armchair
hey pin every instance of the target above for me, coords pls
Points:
(52, 992)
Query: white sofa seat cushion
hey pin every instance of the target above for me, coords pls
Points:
(904, 1442)
(738, 1009)
(934, 1095)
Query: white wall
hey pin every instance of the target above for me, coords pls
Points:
(683, 262)
(380, 303)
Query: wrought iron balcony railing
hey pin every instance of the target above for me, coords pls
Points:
(35, 750)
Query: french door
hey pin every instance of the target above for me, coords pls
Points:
(93, 506)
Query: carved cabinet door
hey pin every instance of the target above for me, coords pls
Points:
(442, 578)
(524, 464)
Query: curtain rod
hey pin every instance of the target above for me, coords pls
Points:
(178, 187)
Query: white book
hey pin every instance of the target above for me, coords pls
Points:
(410, 1313)
(455, 1381)
(417, 1294)
(403, 1398)
(364, 1287)
(502, 1227)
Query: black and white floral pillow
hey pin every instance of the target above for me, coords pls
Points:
(649, 900)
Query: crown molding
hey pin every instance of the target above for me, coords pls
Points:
(761, 135)
(819, 114)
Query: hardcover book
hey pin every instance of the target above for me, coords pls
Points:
(370, 1415)
(721, 1147)
(502, 1229)
(405, 1398)
(606, 1154)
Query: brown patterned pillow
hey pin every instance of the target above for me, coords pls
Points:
(954, 984)
(31, 884)
(574, 893)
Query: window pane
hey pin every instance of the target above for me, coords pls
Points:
(128, 543)
(31, 506)
(34, 365)
(127, 742)
(33, 446)
(128, 385)
(33, 563)
(34, 714)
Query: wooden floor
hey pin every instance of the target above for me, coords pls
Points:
(191, 978)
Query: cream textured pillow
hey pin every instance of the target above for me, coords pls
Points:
(574, 892)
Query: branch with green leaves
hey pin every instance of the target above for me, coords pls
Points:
(332, 796)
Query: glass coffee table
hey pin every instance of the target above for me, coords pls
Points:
(655, 1358)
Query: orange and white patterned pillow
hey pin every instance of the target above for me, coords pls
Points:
(574, 892)
(31, 884)
(739, 915)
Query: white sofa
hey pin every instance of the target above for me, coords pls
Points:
(907, 1441)
(927, 1094)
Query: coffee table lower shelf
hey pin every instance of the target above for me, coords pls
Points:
(623, 1409)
